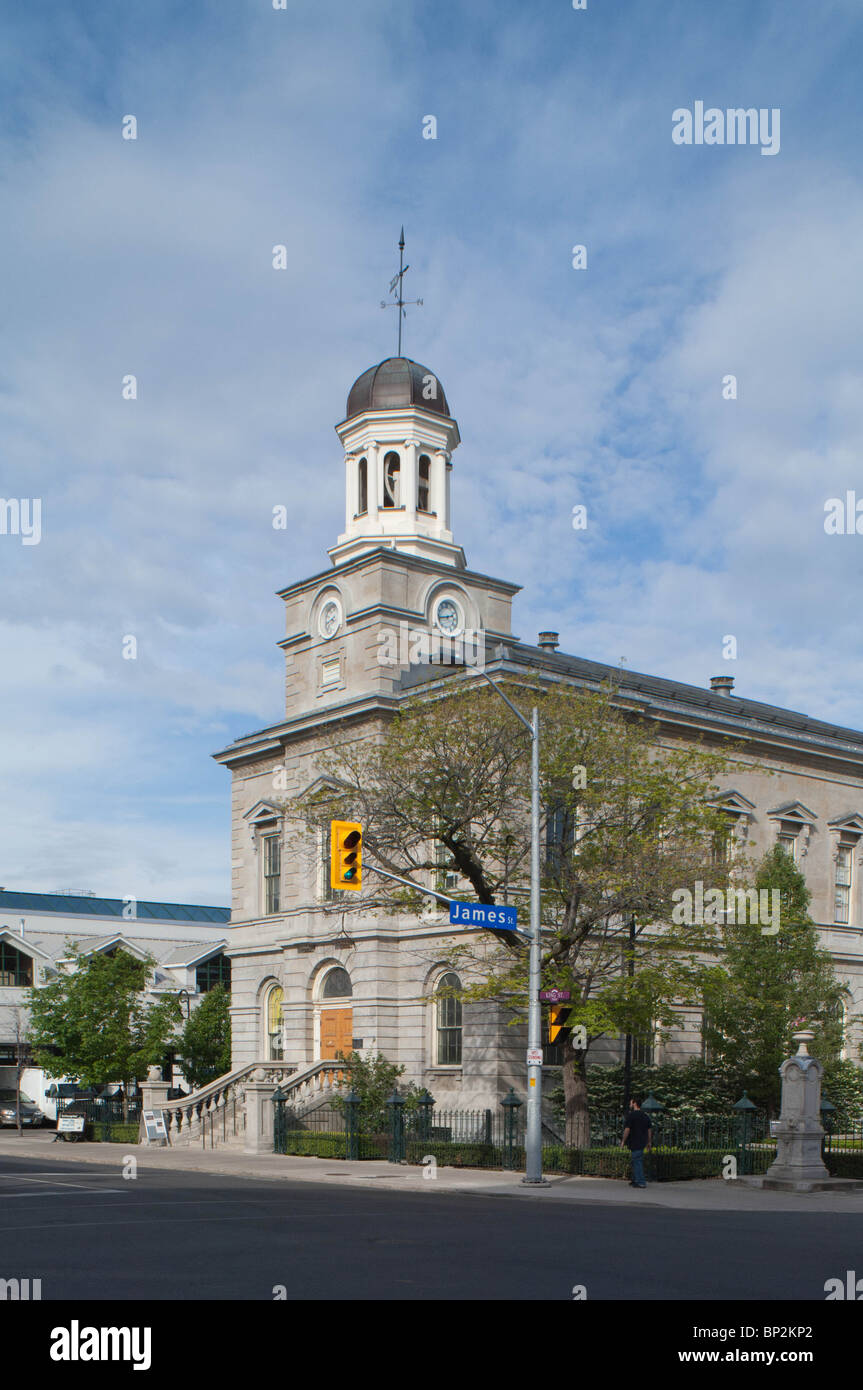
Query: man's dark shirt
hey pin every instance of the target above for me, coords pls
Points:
(639, 1127)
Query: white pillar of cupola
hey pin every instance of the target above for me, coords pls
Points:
(351, 490)
(376, 482)
(439, 488)
(410, 480)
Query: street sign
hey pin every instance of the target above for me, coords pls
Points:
(534, 1056)
(554, 996)
(484, 915)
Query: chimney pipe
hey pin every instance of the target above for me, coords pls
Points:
(549, 641)
(722, 685)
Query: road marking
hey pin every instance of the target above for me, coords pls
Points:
(8, 1195)
(55, 1182)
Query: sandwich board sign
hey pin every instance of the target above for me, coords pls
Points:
(155, 1129)
(70, 1124)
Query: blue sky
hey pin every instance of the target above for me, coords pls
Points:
(601, 387)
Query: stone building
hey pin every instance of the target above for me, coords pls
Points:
(313, 974)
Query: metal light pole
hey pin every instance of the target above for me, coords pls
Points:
(533, 1144)
(533, 1137)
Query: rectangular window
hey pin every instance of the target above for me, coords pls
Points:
(723, 842)
(560, 826)
(842, 885)
(331, 671)
(446, 878)
(272, 873)
(642, 1052)
(789, 844)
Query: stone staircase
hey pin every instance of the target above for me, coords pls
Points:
(236, 1110)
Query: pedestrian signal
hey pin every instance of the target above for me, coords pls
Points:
(558, 1031)
(346, 854)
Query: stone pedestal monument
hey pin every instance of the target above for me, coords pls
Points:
(798, 1166)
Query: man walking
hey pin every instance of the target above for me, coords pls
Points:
(637, 1137)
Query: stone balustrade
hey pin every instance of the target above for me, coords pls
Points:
(236, 1107)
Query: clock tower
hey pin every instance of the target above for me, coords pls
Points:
(398, 581)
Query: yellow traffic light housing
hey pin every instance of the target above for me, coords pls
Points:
(558, 1031)
(346, 854)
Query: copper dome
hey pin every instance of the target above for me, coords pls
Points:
(393, 384)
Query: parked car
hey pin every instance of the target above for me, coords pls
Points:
(31, 1115)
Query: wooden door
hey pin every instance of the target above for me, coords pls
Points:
(336, 1032)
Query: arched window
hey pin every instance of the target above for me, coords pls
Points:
(448, 1021)
(424, 483)
(363, 493)
(337, 985)
(15, 967)
(392, 480)
(275, 1040)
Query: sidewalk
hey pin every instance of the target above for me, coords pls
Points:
(699, 1195)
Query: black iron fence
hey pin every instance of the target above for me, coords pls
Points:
(106, 1118)
(417, 1131)
(842, 1150)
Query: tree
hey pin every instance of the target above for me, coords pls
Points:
(627, 820)
(373, 1080)
(766, 986)
(94, 1023)
(204, 1048)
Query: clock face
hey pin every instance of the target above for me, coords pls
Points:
(447, 616)
(330, 618)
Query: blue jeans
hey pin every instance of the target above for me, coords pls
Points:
(638, 1167)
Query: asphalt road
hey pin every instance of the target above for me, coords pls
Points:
(89, 1234)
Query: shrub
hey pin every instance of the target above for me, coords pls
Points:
(845, 1165)
(119, 1133)
(455, 1155)
(314, 1145)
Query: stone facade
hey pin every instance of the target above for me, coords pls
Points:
(396, 569)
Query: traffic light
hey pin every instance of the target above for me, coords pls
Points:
(558, 1031)
(346, 854)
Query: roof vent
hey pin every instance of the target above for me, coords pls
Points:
(549, 641)
(722, 685)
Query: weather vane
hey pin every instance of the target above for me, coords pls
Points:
(396, 288)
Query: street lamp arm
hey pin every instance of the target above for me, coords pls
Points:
(517, 712)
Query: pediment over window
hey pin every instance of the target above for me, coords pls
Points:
(852, 824)
(22, 944)
(322, 784)
(735, 802)
(115, 943)
(793, 811)
(261, 813)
